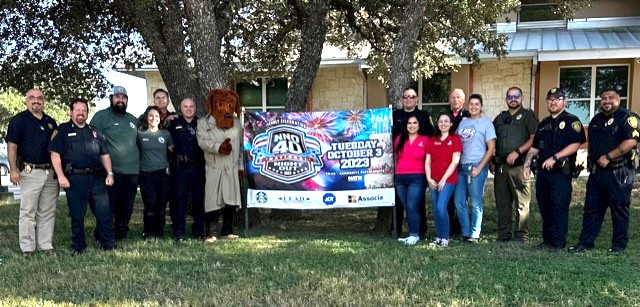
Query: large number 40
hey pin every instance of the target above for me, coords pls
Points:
(287, 146)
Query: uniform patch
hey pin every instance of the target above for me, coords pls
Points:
(633, 122)
(519, 117)
(132, 125)
(609, 122)
(561, 126)
(635, 134)
(161, 140)
(577, 126)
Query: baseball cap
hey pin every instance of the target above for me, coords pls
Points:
(119, 90)
(555, 92)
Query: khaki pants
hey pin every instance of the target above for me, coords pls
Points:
(512, 191)
(37, 209)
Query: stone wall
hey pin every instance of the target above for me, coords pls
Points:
(493, 78)
(338, 88)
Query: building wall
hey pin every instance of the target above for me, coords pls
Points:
(610, 8)
(492, 79)
(338, 88)
(461, 78)
(550, 77)
(376, 93)
(154, 82)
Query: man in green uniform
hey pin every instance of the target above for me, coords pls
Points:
(120, 130)
(515, 129)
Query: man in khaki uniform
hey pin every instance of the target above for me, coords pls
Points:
(515, 129)
(28, 136)
(219, 135)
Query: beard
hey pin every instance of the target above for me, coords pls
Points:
(119, 108)
(514, 107)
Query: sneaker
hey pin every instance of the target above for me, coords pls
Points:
(403, 240)
(230, 236)
(578, 249)
(412, 240)
(616, 249)
(444, 242)
(437, 241)
(472, 240)
(211, 239)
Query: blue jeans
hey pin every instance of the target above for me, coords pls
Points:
(410, 189)
(475, 191)
(439, 201)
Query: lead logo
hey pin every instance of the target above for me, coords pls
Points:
(287, 154)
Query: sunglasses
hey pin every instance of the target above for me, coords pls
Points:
(511, 97)
(409, 97)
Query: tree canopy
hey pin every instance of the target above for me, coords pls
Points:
(197, 45)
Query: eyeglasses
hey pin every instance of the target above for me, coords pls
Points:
(511, 97)
(409, 97)
(554, 100)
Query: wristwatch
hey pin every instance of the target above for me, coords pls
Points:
(555, 158)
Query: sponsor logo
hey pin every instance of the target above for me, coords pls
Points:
(294, 199)
(261, 197)
(132, 125)
(362, 199)
(287, 154)
(161, 140)
(329, 199)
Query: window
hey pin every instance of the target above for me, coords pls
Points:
(263, 94)
(433, 93)
(537, 10)
(583, 84)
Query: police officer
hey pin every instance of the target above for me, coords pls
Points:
(120, 130)
(613, 135)
(28, 136)
(188, 176)
(80, 158)
(515, 129)
(556, 142)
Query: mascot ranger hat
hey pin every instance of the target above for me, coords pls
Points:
(222, 104)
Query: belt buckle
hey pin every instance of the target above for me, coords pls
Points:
(27, 168)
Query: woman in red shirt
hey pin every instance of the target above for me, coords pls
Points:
(443, 156)
(410, 149)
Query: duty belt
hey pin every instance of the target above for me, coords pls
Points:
(36, 166)
(85, 171)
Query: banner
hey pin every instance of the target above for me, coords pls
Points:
(319, 160)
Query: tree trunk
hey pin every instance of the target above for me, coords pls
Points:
(401, 62)
(313, 21)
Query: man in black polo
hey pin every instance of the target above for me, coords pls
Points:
(30, 166)
(400, 116)
(80, 158)
(188, 175)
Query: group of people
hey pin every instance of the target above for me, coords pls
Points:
(100, 165)
(454, 159)
(178, 159)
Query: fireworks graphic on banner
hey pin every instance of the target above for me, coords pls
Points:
(322, 125)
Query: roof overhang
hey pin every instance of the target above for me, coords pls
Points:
(589, 54)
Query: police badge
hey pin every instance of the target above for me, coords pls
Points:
(27, 169)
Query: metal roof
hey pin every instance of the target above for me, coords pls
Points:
(563, 44)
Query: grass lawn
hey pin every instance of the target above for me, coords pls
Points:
(321, 258)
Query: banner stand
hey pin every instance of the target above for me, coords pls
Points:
(245, 209)
(394, 222)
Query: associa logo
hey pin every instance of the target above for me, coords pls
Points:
(359, 198)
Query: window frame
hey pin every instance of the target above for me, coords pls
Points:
(420, 104)
(547, 3)
(263, 87)
(594, 97)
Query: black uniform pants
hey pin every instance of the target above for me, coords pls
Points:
(553, 193)
(122, 195)
(154, 187)
(211, 226)
(607, 188)
(89, 189)
(188, 180)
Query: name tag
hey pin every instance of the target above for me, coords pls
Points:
(145, 139)
(71, 134)
(116, 124)
(178, 127)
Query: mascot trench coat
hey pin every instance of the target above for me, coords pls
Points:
(222, 186)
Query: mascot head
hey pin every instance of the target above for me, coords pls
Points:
(222, 104)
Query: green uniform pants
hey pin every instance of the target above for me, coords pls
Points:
(512, 191)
